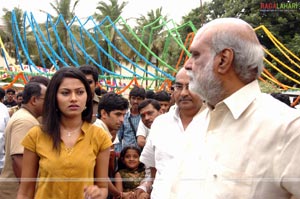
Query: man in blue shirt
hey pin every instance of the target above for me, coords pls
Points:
(127, 133)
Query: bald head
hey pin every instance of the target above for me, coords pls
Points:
(226, 55)
(182, 74)
(238, 35)
(234, 26)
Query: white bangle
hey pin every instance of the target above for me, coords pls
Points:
(144, 188)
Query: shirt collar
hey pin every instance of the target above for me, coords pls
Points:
(177, 115)
(239, 101)
(96, 98)
(104, 126)
(85, 126)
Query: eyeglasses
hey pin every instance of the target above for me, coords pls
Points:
(180, 87)
(42, 98)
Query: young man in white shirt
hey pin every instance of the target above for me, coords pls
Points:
(111, 111)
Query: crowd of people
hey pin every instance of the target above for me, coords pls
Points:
(216, 135)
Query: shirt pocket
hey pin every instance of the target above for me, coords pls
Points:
(227, 183)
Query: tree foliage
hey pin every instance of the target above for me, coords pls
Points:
(113, 10)
(284, 25)
(7, 34)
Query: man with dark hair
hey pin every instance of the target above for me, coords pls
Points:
(100, 91)
(17, 127)
(40, 79)
(19, 100)
(149, 109)
(150, 94)
(91, 74)
(164, 99)
(111, 111)
(10, 94)
(2, 94)
(127, 133)
(4, 117)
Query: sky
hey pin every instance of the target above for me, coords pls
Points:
(174, 9)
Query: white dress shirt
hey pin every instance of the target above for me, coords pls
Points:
(251, 150)
(165, 148)
(142, 130)
(4, 117)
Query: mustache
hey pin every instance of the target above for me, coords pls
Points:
(190, 73)
(185, 99)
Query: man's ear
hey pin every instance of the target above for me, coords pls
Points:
(103, 114)
(33, 100)
(160, 111)
(225, 59)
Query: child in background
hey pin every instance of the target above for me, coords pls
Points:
(130, 171)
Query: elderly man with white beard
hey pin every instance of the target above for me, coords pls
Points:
(251, 140)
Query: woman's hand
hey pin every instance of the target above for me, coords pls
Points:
(93, 192)
(141, 194)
